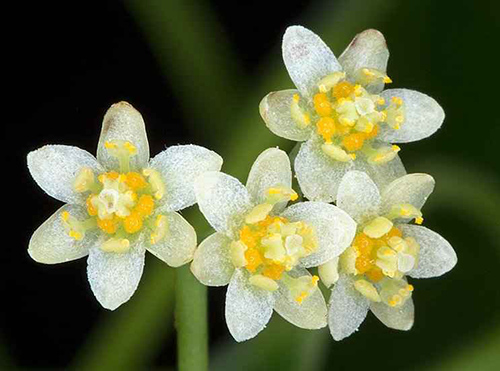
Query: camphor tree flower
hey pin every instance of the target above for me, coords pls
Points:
(342, 113)
(118, 205)
(262, 248)
(371, 273)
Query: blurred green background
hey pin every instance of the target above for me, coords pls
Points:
(197, 71)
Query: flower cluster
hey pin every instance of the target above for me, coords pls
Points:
(365, 247)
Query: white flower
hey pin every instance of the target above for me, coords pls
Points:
(261, 247)
(342, 113)
(372, 272)
(118, 205)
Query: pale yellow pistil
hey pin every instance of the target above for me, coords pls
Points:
(348, 117)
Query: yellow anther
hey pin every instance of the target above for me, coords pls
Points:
(353, 142)
(160, 229)
(387, 80)
(395, 148)
(156, 181)
(130, 148)
(84, 180)
(378, 227)
(145, 205)
(322, 104)
(65, 216)
(109, 226)
(397, 101)
(410, 288)
(419, 220)
(133, 222)
(326, 128)
(296, 98)
(367, 289)
(343, 89)
(281, 194)
(273, 271)
(368, 72)
(76, 235)
(263, 282)
(380, 101)
(110, 145)
(238, 249)
(337, 153)
(74, 228)
(258, 213)
(301, 118)
(328, 82)
(116, 245)
(134, 180)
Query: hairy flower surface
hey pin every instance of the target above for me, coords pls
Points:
(262, 248)
(118, 205)
(342, 113)
(372, 273)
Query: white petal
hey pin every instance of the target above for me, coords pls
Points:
(347, 309)
(423, 117)
(123, 122)
(307, 58)
(178, 246)
(212, 264)
(334, 228)
(51, 244)
(54, 168)
(367, 49)
(179, 167)
(275, 111)
(223, 200)
(311, 314)
(319, 175)
(248, 308)
(436, 256)
(413, 189)
(358, 195)
(398, 318)
(271, 169)
(114, 277)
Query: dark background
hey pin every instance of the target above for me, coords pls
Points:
(197, 70)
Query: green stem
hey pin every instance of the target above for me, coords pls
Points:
(191, 321)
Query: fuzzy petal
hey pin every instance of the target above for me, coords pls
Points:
(178, 247)
(54, 168)
(114, 277)
(436, 256)
(319, 176)
(212, 264)
(358, 195)
(423, 117)
(275, 111)
(401, 318)
(367, 49)
(51, 244)
(223, 200)
(271, 169)
(248, 308)
(123, 122)
(307, 59)
(311, 314)
(334, 228)
(413, 189)
(179, 167)
(347, 309)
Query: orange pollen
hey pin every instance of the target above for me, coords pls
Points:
(247, 237)
(107, 225)
(253, 258)
(135, 181)
(322, 104)
(354, 142)
(342, 90)
(273, 271)
(326, 128)
(375, 274)
(133, 222)
(145, 205)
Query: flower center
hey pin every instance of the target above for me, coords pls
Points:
(270, 246)
(348, 118)
(119, 203)
(380, 257)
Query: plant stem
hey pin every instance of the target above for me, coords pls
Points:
(191, 321)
